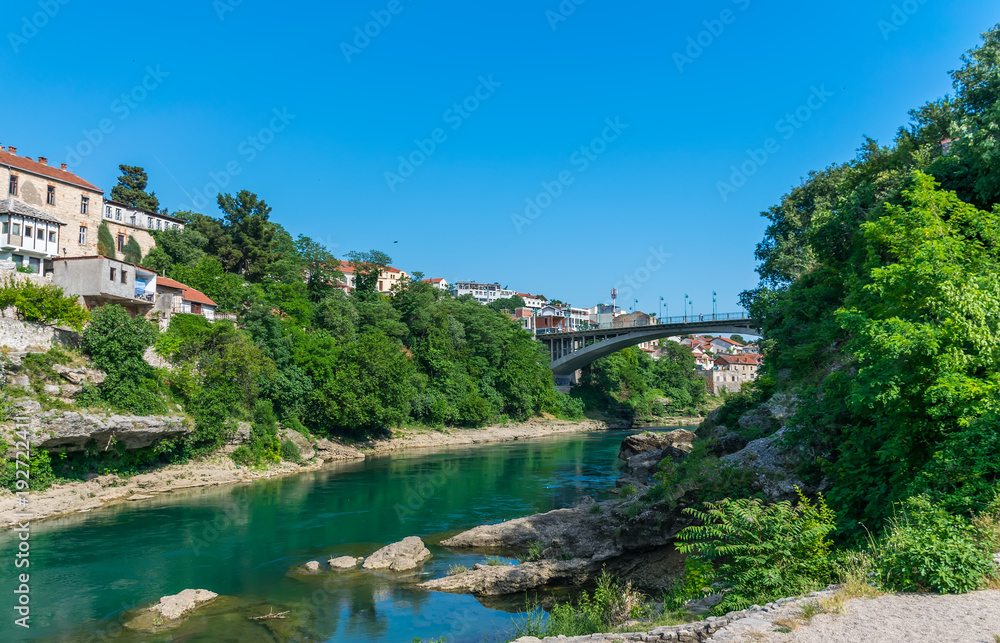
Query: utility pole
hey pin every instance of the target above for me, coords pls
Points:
(661, 309)
(715, 305)
(635, 310)
(685, 307)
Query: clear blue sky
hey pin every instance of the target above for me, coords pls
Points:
(231, 64)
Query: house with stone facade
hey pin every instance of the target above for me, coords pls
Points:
(387, 278)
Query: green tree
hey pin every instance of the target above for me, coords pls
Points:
(368, 267)
(248, 222)
(42, 303)
(116, 342)
(131, 189)
(105, 242)
(322, 268)
(132, 253)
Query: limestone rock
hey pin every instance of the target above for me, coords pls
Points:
(497, 580)
(72, 430)
(306, 449)
(28, 407)
(170, 608)
(679, 439)
(21, 382)
(71, 375)
(774, 474)
(344, 562)
(312, 566)
(52, 389)
(328, 450)
(407, 554)
(242, 434)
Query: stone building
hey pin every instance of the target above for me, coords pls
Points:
(125, 221)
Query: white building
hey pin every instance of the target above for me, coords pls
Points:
(481, 292)
(29, 236)
(136, 218)
(534, 302)
(439, 283)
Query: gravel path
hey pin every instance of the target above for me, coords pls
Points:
(899, 618)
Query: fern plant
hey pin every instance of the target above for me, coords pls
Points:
(763, 551)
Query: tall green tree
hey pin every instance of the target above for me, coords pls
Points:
(248, 222)
(131, 189)
(105, 242)
(368, 267)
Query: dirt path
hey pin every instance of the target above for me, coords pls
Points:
(219, 469)
(896, 618)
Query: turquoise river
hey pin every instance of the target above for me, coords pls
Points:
(244, 542)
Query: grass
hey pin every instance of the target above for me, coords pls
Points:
(454, 570)
(497, 561)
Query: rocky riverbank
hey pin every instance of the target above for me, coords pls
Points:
(219, 469)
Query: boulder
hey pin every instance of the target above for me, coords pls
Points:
(170, 609)
(641, 467)
(773, 472)
(71, 375)
(72, 431)
(312, 566)
(28, 407)
(344, 562)
(405, 555)
(242, 434)
(306, 449)
(52, 389)
(497, 580)
(679, 439)
(21, 382)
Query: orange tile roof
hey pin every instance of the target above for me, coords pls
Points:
(751, 359)
(188, 293)
(22, 163)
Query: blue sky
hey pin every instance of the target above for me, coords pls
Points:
(290, 102)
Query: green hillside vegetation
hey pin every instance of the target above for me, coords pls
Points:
(879, 295)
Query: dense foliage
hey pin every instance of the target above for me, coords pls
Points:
(116, 342)
(42, 303)
(131, 189)
(879, 290)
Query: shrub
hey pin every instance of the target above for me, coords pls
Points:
(612, 603)
(696, 583)
(44, 304)
(116, 342)
(535, 550)
(567, 407)
(242, 455)
(926, 548)
(40, 471)
(765, 552)
(290, 452)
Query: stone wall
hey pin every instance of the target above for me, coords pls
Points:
(26, 337)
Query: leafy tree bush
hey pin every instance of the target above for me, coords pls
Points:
(105, 242)
(40, 469)
(567, 407)
(290, 452)
(764, 552)
(116, 342)
(612, 603)
(132, 253)
(42, 303)
(926, 548)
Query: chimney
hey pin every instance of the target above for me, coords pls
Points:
(43, 160)
(12, 149)
(62, 166)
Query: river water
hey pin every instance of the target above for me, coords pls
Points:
(87, 571)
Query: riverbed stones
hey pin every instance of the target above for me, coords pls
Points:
(312, 567)
(403, 556)
(170, 609)
(679, 439)
(344, 562)
(498, 580)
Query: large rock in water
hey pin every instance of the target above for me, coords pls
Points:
(71, 431)
(679, 440)
(405, 555)
(498, 580)
(170, 609)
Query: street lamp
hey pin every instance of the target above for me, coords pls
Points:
(715, 305)
(635, 310)
(685, 307)
(661, 310)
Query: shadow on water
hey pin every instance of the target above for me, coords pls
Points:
(91, 571)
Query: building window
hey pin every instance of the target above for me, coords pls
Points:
(52, 235)
(118, 214)
(83, 235)
(158, 224)
(113, 274)
(50, 198)
(27, 231)
(149, 222)
(6, 227)
(13, 185)
(107, 211)
(124, 276)
(121, 242)
(196, 308)
(84, 204)
(40, 234)
(133, 219)
(17, 228)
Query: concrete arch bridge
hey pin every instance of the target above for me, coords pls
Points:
(571, 351)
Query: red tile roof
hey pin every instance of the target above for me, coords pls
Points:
(187, 293)
(726, 339)
(436, 280)
(34, 167)
(750, 359)
(348, 269)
